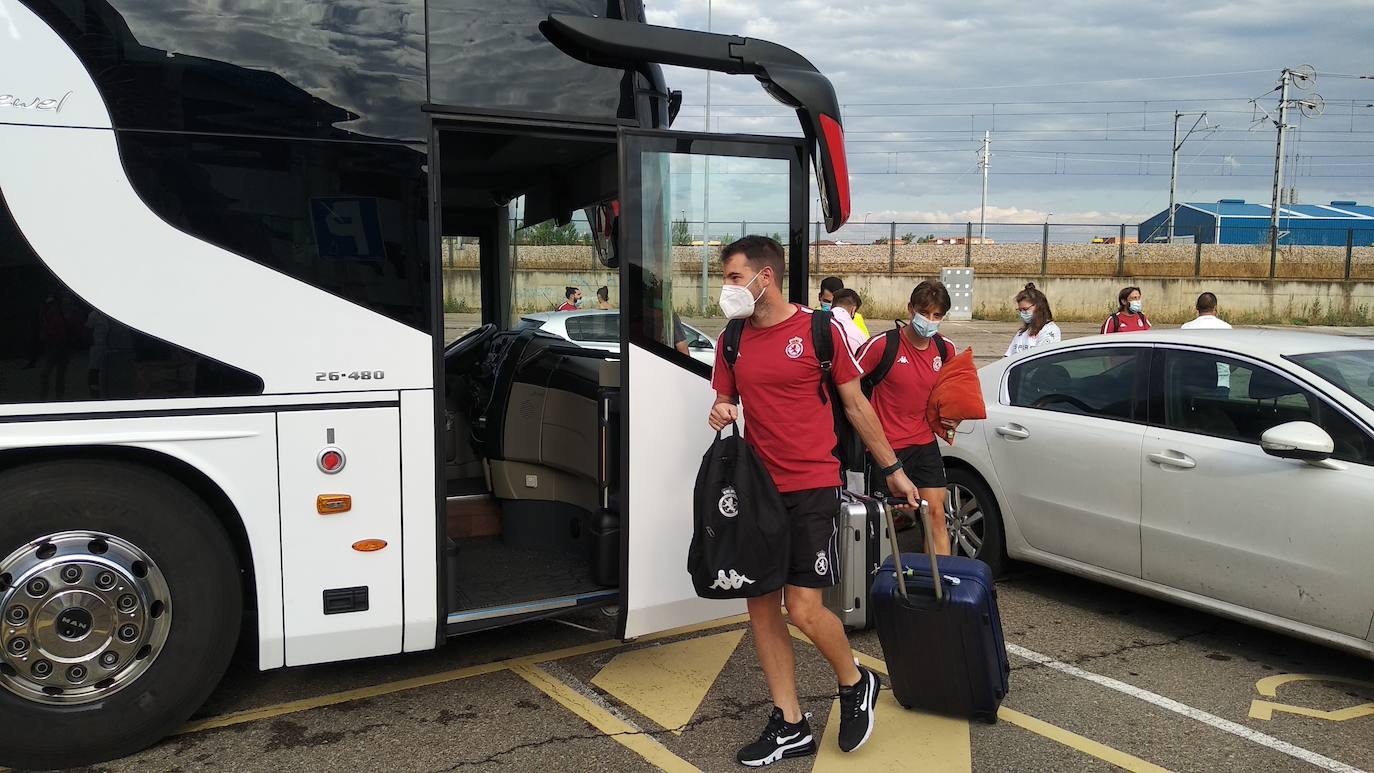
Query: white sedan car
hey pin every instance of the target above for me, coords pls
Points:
(600, 329)
(1229, 470)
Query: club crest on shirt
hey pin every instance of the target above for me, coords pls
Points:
(936, 364)
(794, 347)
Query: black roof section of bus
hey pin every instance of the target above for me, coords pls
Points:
(786, 75)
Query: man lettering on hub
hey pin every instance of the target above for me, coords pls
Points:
(779, 379)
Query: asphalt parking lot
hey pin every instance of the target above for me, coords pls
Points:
(1101, 679)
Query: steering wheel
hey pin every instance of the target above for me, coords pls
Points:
(463, 353)
(1051, 399)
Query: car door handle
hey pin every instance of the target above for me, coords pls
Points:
(1014, 431)
(1173, 459)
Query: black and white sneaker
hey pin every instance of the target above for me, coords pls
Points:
(780, 740)
(857, 706)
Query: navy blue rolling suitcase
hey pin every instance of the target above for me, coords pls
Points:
(940, 632)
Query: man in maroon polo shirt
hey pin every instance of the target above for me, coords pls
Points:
(778, 378)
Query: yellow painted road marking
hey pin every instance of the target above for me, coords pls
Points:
(1265, 710)
(903, 741)
(667, 683)
(1269, 685)
(429, 680)
(1075, 741)
(1024, 721)
(630, 737)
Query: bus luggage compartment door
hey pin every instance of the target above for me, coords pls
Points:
(341, 567)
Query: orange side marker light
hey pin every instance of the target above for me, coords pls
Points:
(333, 504)
(369, 545)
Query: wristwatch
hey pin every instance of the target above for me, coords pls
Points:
(891, 468)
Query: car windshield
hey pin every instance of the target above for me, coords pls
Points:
(1352, 371)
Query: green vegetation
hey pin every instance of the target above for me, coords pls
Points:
(681, 234)
(549, 233)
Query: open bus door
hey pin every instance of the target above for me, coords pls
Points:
(666, 394)
(668, 176)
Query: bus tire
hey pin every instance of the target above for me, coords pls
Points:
(159, 593)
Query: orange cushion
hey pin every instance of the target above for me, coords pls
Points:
(958, 395)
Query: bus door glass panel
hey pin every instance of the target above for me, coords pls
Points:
(682, 198)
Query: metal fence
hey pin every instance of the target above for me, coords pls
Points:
(1044, 249)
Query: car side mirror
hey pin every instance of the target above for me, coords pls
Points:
(1300, 440)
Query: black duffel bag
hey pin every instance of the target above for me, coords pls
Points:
(739, 535)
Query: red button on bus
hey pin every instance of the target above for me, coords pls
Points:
(331, 460)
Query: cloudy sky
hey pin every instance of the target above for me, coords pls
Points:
(1079, 96)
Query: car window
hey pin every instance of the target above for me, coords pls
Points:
(1213, 395)
(594, 328)
(696, 340)
(1352, 371)
(1092, 382)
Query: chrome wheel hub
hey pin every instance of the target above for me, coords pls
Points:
(82, 615)
(964, 519)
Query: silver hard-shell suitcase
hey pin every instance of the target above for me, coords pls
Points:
(860, 531)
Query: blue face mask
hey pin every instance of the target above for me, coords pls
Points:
(825, 305)
(1027, 315)
(924, 327)
(1135, 307)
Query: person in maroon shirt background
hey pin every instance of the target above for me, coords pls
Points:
(778, 378)
(1129, 316)
(900, 399)
(571, 297)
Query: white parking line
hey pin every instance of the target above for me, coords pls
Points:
(1224, 725)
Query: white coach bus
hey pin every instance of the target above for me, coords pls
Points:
(226, 403)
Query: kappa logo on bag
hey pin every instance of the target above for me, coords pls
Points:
(729, 502)
(794, 347)
(733, 581)
(822, 563)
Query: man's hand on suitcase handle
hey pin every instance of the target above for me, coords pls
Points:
(905, 494)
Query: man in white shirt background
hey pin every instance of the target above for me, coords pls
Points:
(1207, 318)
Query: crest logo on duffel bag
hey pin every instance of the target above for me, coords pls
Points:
(794, 347)
(822, 563)
(729, 502)
(733, 581)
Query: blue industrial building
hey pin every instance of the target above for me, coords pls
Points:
(1232, 221)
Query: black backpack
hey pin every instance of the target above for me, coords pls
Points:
(891, 346)
(849, 449)
(739, 534)
(1116, 320)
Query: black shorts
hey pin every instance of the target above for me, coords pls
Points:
(814, 549)
(922, 464)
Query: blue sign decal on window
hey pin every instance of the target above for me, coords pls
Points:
(347, 227)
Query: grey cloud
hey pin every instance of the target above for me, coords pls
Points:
(940, 52)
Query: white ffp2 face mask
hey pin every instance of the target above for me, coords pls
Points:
(736, 302)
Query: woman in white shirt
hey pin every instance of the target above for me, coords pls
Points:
(1037, 322)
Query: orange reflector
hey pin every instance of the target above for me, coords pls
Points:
(369, 545)
(333, 504)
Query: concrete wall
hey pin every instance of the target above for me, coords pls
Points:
(1172, 300)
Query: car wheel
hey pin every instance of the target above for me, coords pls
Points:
(120, 606)
(974, 522)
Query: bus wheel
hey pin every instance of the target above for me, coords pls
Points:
(120, 604)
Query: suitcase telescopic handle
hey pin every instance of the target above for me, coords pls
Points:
(897, 552)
